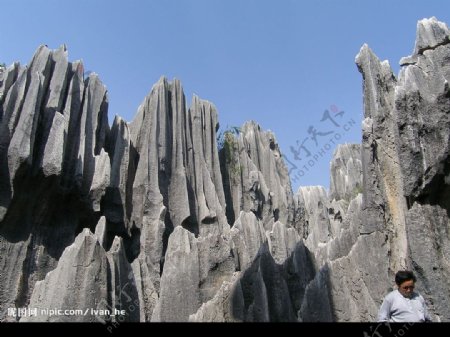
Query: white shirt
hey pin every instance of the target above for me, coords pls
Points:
(397, 308)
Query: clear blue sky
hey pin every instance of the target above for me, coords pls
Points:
(281, 63)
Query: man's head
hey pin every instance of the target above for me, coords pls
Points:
(405, 281)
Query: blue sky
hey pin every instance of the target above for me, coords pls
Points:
(281, 63)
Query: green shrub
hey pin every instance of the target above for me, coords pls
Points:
(225, 143)
(221, 135)
(358, 189)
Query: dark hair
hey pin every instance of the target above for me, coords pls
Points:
(404, 275)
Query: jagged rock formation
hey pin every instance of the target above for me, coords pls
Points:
(53, 167)
(150, 189)
(346, 170)
(79, 281)
(255, 176)
(185, 231)
(401, 219)
(406, 149)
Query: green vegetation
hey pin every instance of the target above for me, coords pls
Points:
(222, 135)
(358, 189)
(226, 141)
(2, 65)
(228, 146)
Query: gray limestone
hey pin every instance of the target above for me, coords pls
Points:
(41, 205)
(408, 160)
(79, 282)
(400, 220)
(313, 202)
(123, 291)
(274, 268)
(384, 204)
(194, 226)
(430, 34)
(248, 235)
(118, 199)
(255, 176)
(54, 148)
(428, 237)
(179, 295)
(226, 306)
(145, 286)
(100, 231)
(100, 179)
(282, 242)
(346, 172)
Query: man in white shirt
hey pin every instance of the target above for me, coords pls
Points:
(403, 304)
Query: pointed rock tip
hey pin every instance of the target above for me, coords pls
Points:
(100, 228)
(176, 86)
(163, 78)
(62, 47)
(78, 67)
(95, 79)
(367, 60)
(176, 82)
(117, 245)
(85, 233)
(118, 120)
(344, 146)
(181, 229)
(162, 81)
(311, 188)
(7, 68)
(196, 100)
(430, 33)
(251, 124)
(93, 74)
(41, 51)
(41, 47)
(364, 53)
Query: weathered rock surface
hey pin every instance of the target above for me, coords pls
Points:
(343, 289)
(79, 282)
(185, 231)
(265, 291)
(346, 172)
(145, 181)
(406, 146)
(179, 295)
(255, 176)
(122, 287)
(47, 188)
(428, 237)
(401, 219)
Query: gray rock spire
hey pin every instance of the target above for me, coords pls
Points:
(192, 226)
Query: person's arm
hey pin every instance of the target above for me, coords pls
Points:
(384, 314)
